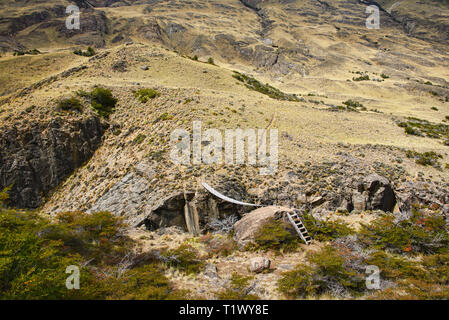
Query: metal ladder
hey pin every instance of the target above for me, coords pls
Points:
(297, 223)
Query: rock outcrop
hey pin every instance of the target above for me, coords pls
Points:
(374, 193)
(37, 157)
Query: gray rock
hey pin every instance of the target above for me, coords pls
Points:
(377, 192)
(359, 201)
(259, 264)
(210, 271)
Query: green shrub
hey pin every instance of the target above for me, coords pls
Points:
(426, 280)
(361, 78)
(266, 89)
(423, 127)
(434, 108)
(426, 159)
(70, 104)
(211, 61)
(411, 131)
(4, 196)
(103, 101)
(163, 117)
(185, 258)
(384, 76)
(327, 271)
(325, 230)
(143, 283)
(354, 105)
(88, 53)
(237, 289)
(35, 252)
(31, 52)
(419, 234)
(143, 95)
(273, 236)
(139, 139)
(393, 267)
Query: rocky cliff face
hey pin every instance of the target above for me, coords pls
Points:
(37, 157)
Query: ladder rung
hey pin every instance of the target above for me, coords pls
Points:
(300, 228)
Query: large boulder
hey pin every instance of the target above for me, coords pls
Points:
(246, 228)
(374, 193)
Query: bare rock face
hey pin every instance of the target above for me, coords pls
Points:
(259, 264)
(374, 193)
(246, 228)
(37, 157)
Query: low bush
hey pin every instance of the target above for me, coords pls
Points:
(88, 53)
(361, 78)
(354, 105)
(35, 252)
(419, 127)
(426, 159)
(238, 289)
(31, 52)
(184, 258)
(419, 234)
(163, 117)
(274, 236)
(266, 89)
(326, 273)
(70, 104)
(143, 95)
(325, 230)
(103, 101)
(139, 139)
